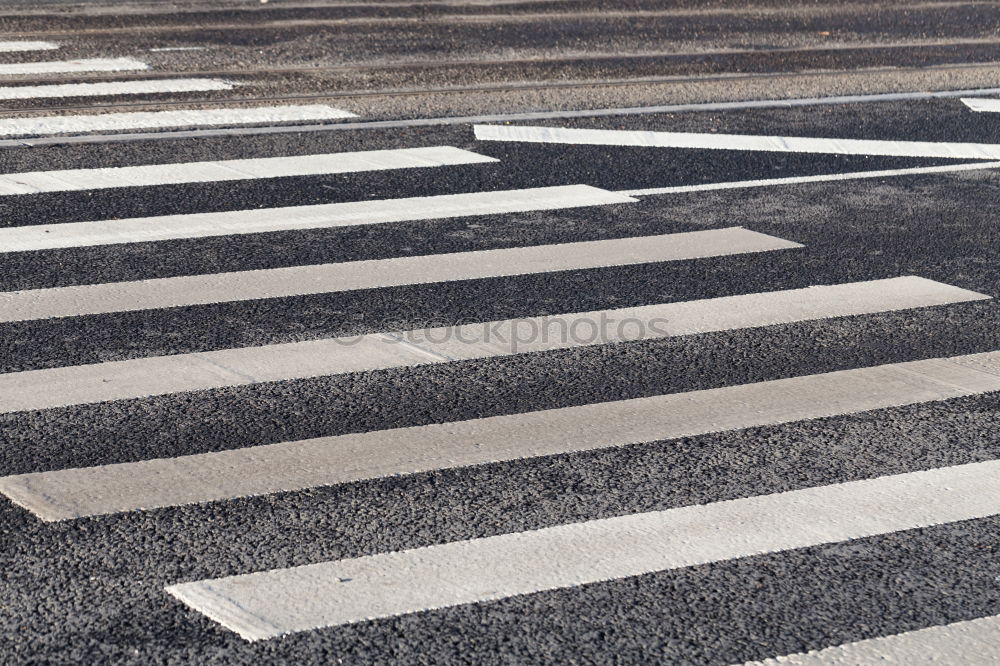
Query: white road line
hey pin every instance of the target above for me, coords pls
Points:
(514, 117)
(179, 118)
(988, 105)
(322, 216)
(784, 144)
(325, 461)
(328, 278)
(136, 378)
(796, 180)
(110, 88)
(969, 642)
(11, 47)
(246, 169)
(73, 66)
(272, 603)
(164, 49)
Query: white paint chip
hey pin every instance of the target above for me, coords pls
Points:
(225, 170)
(142, 377)
(200, 225)
(76, 493)
(281, 601)
(12, 47)
(328, 278)
(784, 144)
(969, 642)
(73, 66)
(46, 125)
(112, 88)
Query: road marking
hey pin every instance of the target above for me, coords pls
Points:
(514, 117)
(179, 118)
(326, 461)
(795, 180)
(322, 216)
(246, 169)
(280, 601)
(73, 66)
(142, 377)
(987, 105)
(164, 49)
(784, 144)
(328, 278)
(11, 47)
(103, 89)
(969, 642)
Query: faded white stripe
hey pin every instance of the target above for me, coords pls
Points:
(969, 642)
(10, 47)
(246, 169)
(327, 278)
(75, 493)
(784, 144)
(43, 125)
(515, 117)
(56, 387)
(271, 603)
(987, 104)
(73, 66)
(109, 88)
(109, 232)
(795, 180)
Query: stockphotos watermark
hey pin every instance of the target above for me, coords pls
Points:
(514, 335)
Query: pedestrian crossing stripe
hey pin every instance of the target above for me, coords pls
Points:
(328, 278)
(969, 642)
(12, 47)
(46, 125)
(988, 105)
(272, 603)
(73, 66)
(109, 88)
(784, 144)
(178, 173)
(322, 216)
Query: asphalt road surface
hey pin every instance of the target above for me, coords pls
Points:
(470, 332)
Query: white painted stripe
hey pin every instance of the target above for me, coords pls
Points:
(10, 47)
(136, 378)
(796, 180)
(327, 278)
(514, 117)
(110, 88)
(110, 232)
(247, 169)
(969, 642)
(75, 493)
(988, 105)
(164, 49)
(179, 118)
(73, 66)
(784, 144)
(272, 603)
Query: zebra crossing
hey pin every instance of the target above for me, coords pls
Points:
(75, 493)
(268, 604)
(135, 120)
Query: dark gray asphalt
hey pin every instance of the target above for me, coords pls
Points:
(91, 590)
